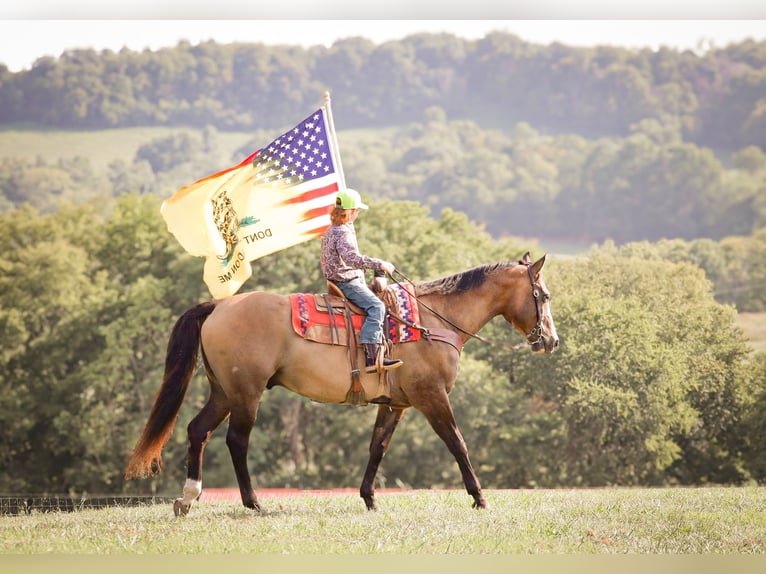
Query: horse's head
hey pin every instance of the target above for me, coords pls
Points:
(529, 308)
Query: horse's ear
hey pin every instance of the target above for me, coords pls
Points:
(538, 266)
(527, 259)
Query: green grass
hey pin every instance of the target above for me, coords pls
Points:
(523, 522)
(754, 326)
(101, 147)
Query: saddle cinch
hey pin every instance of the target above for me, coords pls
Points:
(326, 317)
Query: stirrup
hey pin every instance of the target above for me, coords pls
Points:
(376, 360)
(385, 365)
(390, 364)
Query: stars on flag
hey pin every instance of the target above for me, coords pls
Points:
(299, 155)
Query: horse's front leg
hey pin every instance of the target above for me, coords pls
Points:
(237, 439)
(442, 419)
(385, 424)
(199, 431)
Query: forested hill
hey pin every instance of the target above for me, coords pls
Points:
(580, 145)
(716, 98)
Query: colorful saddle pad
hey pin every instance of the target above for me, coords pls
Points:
(314, 324)
(407, 309)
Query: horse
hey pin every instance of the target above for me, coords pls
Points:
(248, 346)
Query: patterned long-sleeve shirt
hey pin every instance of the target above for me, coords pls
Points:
(341, 260)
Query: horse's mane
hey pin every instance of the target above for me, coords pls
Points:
(463, 281)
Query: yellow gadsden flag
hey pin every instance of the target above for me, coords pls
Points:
(278, 197)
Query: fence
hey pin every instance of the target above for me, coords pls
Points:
(27, 504)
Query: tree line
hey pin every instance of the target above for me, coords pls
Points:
(517, 136)
(500, 80)
(653, 383)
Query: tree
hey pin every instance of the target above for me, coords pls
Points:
(753, 424)
(84, 343)
(630, 391)
(165, 153)
(49, 293)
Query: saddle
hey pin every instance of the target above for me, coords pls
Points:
(331, 319)
(323, 317)
(331, 303)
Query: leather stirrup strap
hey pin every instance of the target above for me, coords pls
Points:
(334, 333)
(355, 395)
(353, 352)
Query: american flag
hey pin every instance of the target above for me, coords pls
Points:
(302, 154)
(277, 197)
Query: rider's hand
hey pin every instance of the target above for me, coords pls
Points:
(388, 267)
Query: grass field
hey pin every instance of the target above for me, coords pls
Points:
(754, 326)
(101, 147)
(522, 522)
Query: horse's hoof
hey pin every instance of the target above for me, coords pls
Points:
(252, 505)
(480, 503)
(179, 508)
(369, 502)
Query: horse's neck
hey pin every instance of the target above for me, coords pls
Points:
(469, 310)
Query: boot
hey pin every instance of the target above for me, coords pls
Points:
(371, 351)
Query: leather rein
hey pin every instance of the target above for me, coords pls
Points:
(534, 336)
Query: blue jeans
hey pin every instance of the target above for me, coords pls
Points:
(360, 295)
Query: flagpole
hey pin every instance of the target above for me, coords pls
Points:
(335, 147)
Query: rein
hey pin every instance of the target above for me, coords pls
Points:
(537, 330)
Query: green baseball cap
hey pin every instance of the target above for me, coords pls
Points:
(349, 199)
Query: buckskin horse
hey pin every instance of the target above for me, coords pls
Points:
(248, 346)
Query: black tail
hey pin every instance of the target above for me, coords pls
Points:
(180, 364)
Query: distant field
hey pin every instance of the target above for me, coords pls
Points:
(754, 326)
(101, 146)
(565, 248)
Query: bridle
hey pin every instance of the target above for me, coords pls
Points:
(535, 335)
(538, 328)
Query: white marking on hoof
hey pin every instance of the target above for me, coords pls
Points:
(192, 490)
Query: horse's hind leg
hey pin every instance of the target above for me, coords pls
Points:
(385, 424)
(442, 420)
(237, 439)
(199, 431)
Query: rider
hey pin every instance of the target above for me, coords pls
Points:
(344, 265)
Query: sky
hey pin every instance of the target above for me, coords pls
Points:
(30, 29)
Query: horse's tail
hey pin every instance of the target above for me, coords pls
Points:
(180, 364)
